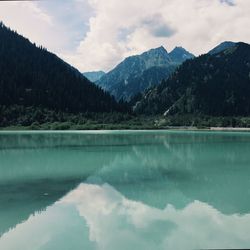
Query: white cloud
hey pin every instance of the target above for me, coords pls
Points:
(197, 25)
(27, 19)
(117, 222)
(57, 25)
(99, 217)
(97, 34)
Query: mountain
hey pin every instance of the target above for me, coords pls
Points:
(221, 47)
(215, 85)
(94, 76)
(138, 84)
(32, 76)
(180, 55)
(134, 66)
(137, 73)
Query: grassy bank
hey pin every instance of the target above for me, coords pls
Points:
(18, 117)
(123, 122)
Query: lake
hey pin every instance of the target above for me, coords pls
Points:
(149, 190)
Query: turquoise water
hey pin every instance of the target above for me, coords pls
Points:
(124, 190)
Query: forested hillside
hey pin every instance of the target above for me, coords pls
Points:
(32, 76)
(39, 90)
(214, 85)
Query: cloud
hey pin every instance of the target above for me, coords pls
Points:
(27, 19)
(138, 226)
(99, 217)
(98, 34)
(70, 20)
(157, 26)
(229, 2)
(122, 28)
(58, 25)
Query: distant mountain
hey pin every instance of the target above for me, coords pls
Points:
(94, 76)
(137, 73)
(180, 55)
(221, 47)
(32, 76)
(212, 84)
(138, 84)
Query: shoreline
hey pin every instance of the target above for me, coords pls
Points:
(228, 129)
(170, 128)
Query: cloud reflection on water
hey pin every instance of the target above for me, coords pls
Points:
(201, 174)
(118, 223)
(99, 217)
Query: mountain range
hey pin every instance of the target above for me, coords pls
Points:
(36, 85)
(137, 73)
(214, 84)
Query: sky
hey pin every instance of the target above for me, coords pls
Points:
(98, 34)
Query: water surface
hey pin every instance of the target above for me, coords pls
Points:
(121, 190)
